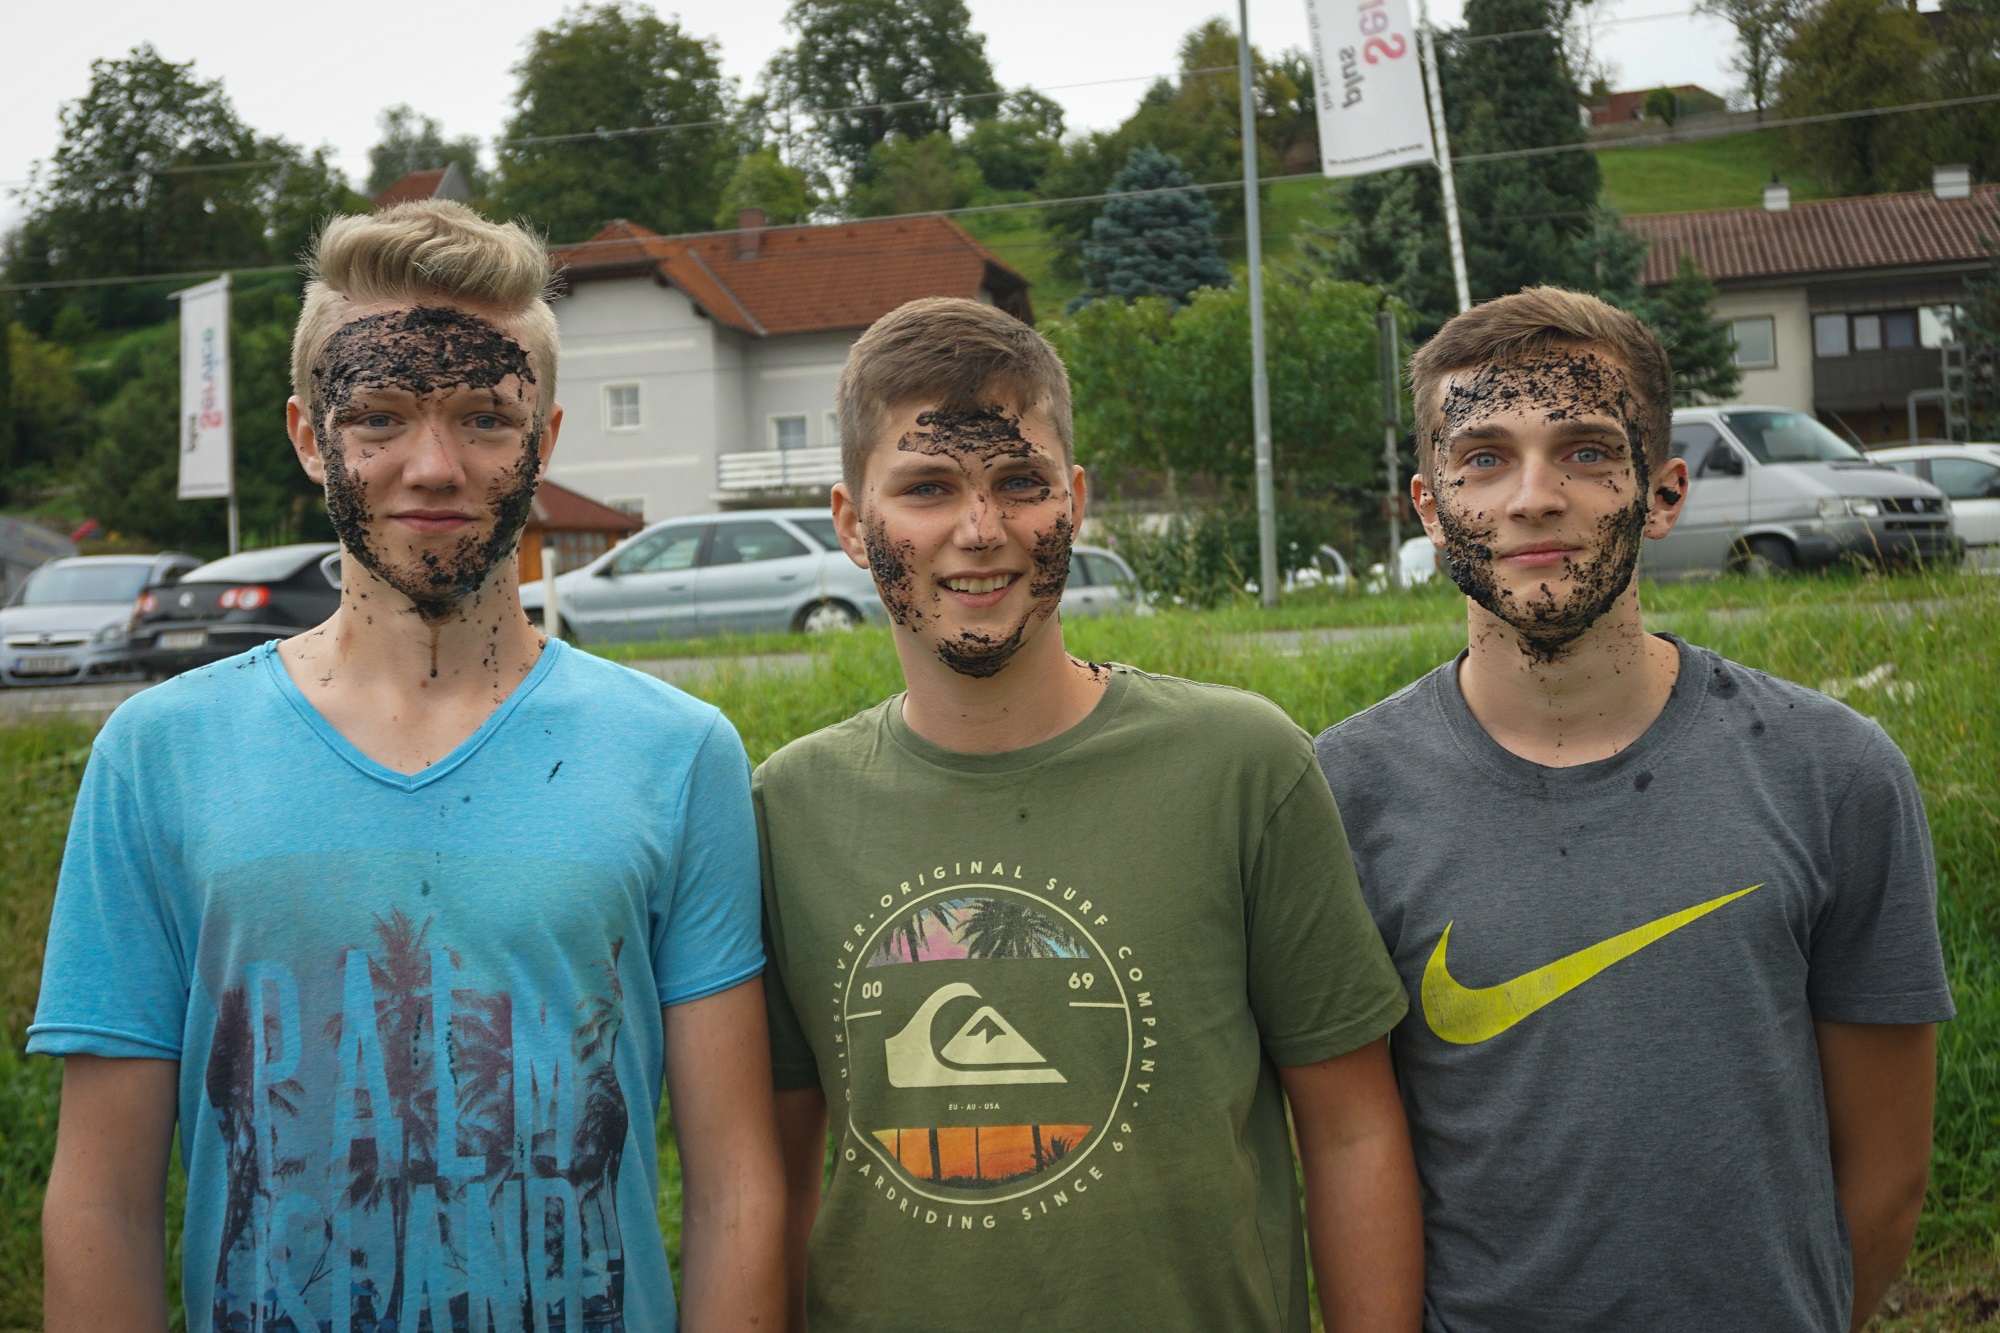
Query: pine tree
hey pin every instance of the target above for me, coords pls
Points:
(1613, 259)
(1400, 246)
(1699, 345)
(1152, 244)
(1978, 329)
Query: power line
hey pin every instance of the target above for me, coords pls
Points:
(1465, 39)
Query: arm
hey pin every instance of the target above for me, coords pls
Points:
(1880, 1082)
(719, 1077)
(802, 1140)
(104, 1220)
(1362, 1213)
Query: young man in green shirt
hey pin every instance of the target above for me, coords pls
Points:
(1056, 941)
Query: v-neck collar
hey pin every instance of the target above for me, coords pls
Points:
(281, 681)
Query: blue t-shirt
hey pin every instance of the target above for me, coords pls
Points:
(417, 1015)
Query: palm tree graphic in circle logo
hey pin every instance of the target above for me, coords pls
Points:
(989, 1042)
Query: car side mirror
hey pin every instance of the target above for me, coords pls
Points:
(608, 570)
(1722, 463)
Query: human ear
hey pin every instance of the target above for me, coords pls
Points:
(305, 441)
(1424, 500)
(847, 524)
(1668, 500)
(550, 429)
(1078, 492)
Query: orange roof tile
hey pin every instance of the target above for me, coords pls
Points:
(805, 279)
(1826, 236)
(416, 185)
(561, 509)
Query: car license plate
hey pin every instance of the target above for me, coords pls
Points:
(52, 665)
(174, 640)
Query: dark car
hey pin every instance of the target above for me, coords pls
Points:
(234, 603)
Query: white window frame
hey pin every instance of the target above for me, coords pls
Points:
(1832, 323)
(612, 426)
(1770, 323)
(805, 428)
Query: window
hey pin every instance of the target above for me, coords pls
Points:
(1829, 335)
(1966, 478)
(821, 531)
(1899, 330)
(1104, 571)
(1692, 441)
(1789, 437)
(1867, 333)
(1936, 325)
(833, 428)
(1756, 342)
(661, 552)
(788, 432)
(621, 407)
(747, 543)
(634, 505)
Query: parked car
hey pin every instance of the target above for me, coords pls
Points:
(68, 621)
(1416, 562)
(1328, 569)
(1969, 476)
(1771, 489)
(234, 603)
(1100, 584)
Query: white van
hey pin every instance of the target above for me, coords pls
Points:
(1771, 489)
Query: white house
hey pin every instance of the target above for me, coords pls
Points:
(1842, 307)
(698, 371)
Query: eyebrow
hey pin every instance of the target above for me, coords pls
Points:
(1485, 433)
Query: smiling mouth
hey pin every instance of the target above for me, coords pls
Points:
(977, 586)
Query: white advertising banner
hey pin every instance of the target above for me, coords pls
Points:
(206, 430)
(1371, 88)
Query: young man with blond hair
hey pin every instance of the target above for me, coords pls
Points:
(1667, 924)
(401, 920)
(1056, 942)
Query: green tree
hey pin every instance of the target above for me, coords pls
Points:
(1396, 240)
(761, 179)
(615, 66)
(44, 413)
(1152, 244)
(1978, 329)
(1015, 149)
(1699, 345)
(1613, 259)
(1664, 104)
(1763, 27)
(1968, 65)
(411, 142)
(9, 429)
(916, 64)
(1848, 55)
(914, 176)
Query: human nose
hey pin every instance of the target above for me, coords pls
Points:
(978, 525)
(1539, 490)
(432, 464)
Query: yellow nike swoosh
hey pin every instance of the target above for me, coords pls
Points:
(1465, 1016)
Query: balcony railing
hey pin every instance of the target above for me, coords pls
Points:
(777, 469)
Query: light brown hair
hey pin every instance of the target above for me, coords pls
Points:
(427, 250)
(1533, 320)
(954, 354)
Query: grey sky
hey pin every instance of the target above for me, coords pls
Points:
(320, 73)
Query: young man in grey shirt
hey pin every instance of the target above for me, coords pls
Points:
(1667, 924)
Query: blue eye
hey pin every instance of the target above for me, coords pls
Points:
(378, 421)
(487, 422)
(1483, 460)
(926, 489)
(1590, 453)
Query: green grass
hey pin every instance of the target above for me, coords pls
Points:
(1726, 172)
(1938, 631)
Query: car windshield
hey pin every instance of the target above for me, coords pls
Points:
(54, 584)
(821, 531)
(1789, 437)
(272, 565)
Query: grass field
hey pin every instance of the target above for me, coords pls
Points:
(1939, 704)
(1725, 172)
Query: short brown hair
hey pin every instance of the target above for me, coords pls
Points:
(1533, 320)
(427, 249)
(957, 354)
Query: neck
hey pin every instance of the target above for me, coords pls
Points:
(1040, 693)
(1587, 702)
(485, 644)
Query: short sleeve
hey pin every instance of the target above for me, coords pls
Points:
(114, 976)
(1875, 951)
(1321, 982)
(707, 938)
(793, 1064)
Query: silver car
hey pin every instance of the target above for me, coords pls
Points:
(68, 621)
(1969, 476)
(1771, 489)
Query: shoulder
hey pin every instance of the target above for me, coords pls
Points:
(1206, 708)
(621, 696)
(843, 747)
(1390, 725)
(194, 709)
(1814, 726)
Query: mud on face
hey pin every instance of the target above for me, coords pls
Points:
(422, 351)
(981, 435)
(1561, 384)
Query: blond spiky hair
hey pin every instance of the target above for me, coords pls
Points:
(427, 250)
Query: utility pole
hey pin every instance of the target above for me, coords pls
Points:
(1442, 141)
(1260, 386)
(1390, 361)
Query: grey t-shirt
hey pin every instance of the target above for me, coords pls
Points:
(1614, 971)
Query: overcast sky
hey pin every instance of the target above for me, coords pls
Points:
(320, 73)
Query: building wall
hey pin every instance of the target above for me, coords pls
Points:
(634, 331)
(1790, 382)
(794, 376)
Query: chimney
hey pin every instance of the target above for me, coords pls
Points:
(750, 224)
(1777, 196)
(1953, 182)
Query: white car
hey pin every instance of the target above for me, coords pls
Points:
(1416, 562)
(1969, 476)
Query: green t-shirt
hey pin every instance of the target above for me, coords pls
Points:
(1044, 992)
